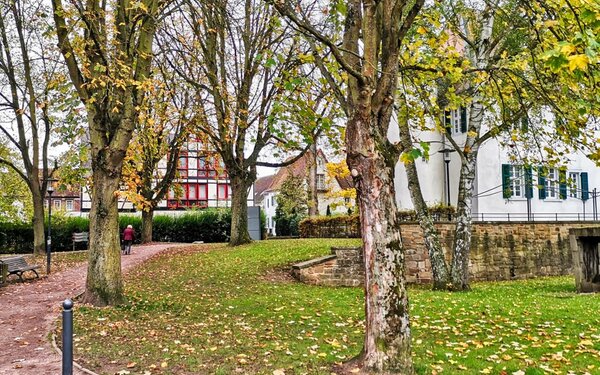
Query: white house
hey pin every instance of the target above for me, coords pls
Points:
(266, 188)
(504, 189)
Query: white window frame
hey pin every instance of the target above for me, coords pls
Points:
(69, 205)
(56, 204)
(575, 185)
(321, 181)
(552, 183)
(455, 120)
(517, 181)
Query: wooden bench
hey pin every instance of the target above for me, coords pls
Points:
(80, 237)
(18, 266)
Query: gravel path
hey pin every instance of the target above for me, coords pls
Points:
(28, 312)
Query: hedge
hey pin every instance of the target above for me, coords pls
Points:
(209, 225)
(349, 226)
(330, 227)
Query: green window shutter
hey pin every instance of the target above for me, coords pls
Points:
(585, 194)
(542, 182)
(463, 119)
(506, 190)
(562, 183)
(448, 121)
(528, 182)
(524, 124)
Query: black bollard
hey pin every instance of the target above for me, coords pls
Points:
(67, 338)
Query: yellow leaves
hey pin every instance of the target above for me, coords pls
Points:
(421, 30)
(578, 62)
(567, 49)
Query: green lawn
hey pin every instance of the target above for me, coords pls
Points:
(226, 311)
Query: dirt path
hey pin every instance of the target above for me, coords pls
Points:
(29, 310)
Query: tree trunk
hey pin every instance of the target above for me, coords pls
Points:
(464, 222)
(387, 337)
(239, 211)
(147, 216)
(39, 236)
(104, 285)
(431, 236)
(313, 199)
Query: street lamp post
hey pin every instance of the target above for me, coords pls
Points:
(446, 152)
(447, 161)
(50, 190)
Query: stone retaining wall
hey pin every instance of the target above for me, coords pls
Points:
(499, 251)
(343, 268)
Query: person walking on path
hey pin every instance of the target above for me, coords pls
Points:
(128, 237)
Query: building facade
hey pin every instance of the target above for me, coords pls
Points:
(201, 182)
(505, 188)
(267, 188)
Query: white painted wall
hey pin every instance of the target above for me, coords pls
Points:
(488, 198)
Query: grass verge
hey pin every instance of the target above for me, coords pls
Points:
(212, 311)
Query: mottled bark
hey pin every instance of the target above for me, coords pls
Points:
(147, 216)
(466, 186)
(431, 236)
(463, 230)
(387, 336)
(480, 56)
(239, 211)
(104, 284)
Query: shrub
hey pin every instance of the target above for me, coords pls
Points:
(16, 238)
(209, 225)
(349, 226)
(330, 226)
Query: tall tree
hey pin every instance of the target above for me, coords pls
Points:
(242, 65)
(374, 32)
(32, 91)
(162, 129)
(493, 81)
(107, 47)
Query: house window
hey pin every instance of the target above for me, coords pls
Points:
(182, 166)
(57, 204)
(222, 191)
(552, 183)
(202, 191)
(192, 192)
(574, 185)
(272, 201)
(171, 194)
(202, 169)
(321, 182)
(69, 205)
(517, 181)
(457, 120)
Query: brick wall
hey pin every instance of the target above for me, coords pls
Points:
(499, 251)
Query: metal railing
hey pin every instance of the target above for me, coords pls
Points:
(534, 216)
